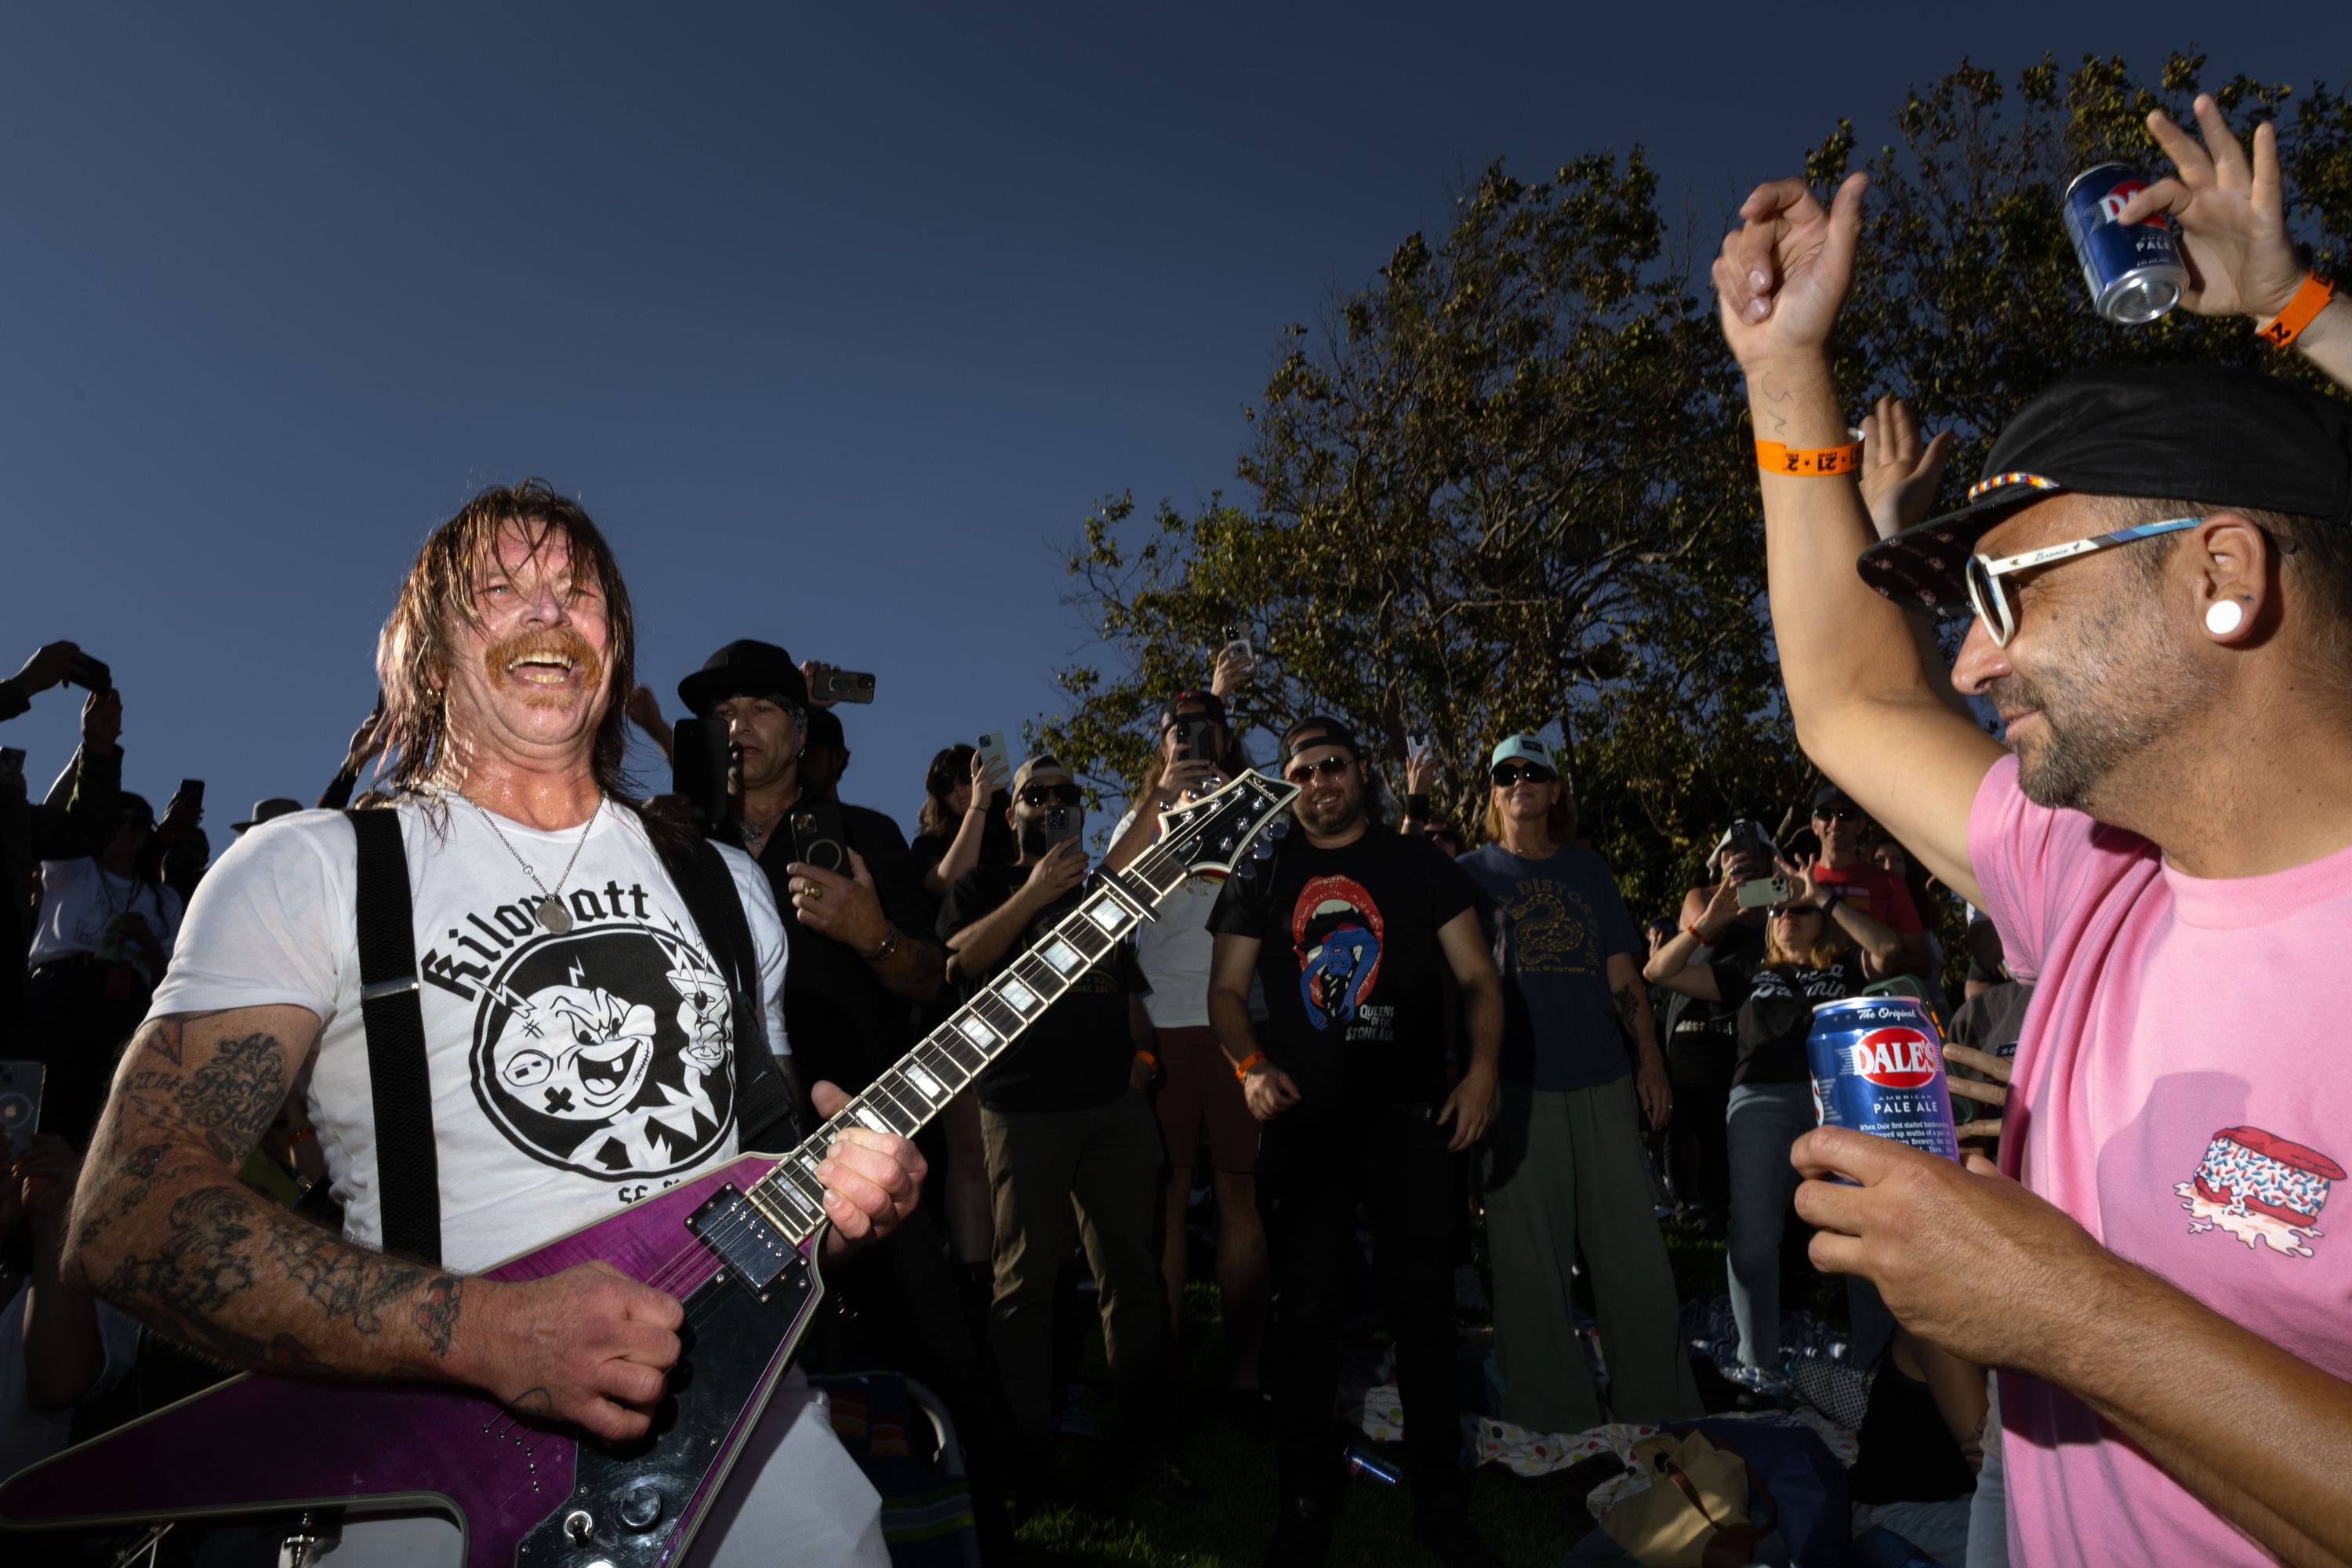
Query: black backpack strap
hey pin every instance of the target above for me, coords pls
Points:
(765, 1116)
(408, 1167)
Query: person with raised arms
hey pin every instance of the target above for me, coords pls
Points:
(2160, 564)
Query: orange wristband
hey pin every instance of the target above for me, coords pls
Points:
(1808, 463)
(2308, 301)
(1696, 934)
(1242, 1068)
(1148, 1057)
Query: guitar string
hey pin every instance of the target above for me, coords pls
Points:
(676, 1268)
(673, 1270)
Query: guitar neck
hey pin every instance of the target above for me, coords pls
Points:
(919, 1085)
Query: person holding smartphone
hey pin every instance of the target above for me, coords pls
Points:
(33, 831)
(1066, 1126)
(1817, 948)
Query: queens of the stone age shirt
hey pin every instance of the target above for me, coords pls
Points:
(2182, 1088)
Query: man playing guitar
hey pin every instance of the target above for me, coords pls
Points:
(578, 1034)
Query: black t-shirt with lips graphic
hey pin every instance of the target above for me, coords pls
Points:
(1350, 964)
(1080, 1051)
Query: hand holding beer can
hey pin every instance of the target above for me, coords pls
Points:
(2133, 271)
(1878, 1068)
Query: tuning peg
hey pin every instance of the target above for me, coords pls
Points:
(1262, 850)
(1281, 827)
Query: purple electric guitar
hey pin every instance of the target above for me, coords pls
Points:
(739, 1248)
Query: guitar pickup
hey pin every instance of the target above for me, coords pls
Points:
(742, 1238)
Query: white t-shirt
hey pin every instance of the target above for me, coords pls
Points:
(1176, 951)
(79, 899)
(28, 1436)
(571, 1074)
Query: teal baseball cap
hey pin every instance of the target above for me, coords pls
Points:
(1524, 748)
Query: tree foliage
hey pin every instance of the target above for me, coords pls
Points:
(1509, 480)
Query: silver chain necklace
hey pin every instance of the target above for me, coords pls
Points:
(550, 912)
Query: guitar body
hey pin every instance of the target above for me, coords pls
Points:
(510, 1483)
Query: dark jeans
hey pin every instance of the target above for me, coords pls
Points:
(1315, 1165)
(1697, 1152)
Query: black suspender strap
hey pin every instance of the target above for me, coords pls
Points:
(408, 1168)
(765, 1116)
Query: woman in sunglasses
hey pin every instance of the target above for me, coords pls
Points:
(1817, 948)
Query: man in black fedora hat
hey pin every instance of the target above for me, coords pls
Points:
(860, 954)
(2160, 563)
(269, 810)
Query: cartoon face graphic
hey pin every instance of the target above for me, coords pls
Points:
(2262, 1189)
(575, 1053)
(1336, 929)
(608, 1050)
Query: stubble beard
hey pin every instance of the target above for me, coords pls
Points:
(2099, 706)
(1334, 817)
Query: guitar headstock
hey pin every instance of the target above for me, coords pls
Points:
(1216, 834)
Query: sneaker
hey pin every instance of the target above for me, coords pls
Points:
(1443, 1526)
(1302, 1534)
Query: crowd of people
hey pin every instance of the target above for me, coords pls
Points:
(1384, 1032)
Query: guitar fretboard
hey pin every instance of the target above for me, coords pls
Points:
(918, 1087)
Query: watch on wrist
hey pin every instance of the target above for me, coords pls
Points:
(1829, 901)
(889, 945)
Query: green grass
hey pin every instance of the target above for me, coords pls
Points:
(1095, 1521)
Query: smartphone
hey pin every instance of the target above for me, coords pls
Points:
(844, 686)
(1414, 745)
(818, 839)
(1063, 823)
(20, 1106)
(1758, 891)
(991, 752)
(94, 676)
(192, 791)
(698, 766)
(1240, 643)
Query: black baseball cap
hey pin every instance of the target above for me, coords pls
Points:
(1209, 701)
(744, 668)
(1315, 731)
(1829, 795)
(2204, 433)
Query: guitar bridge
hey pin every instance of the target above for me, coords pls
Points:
(742, 1238)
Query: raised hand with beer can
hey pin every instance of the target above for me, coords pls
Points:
(2133, 269)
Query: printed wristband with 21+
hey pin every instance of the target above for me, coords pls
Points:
(2309, 300)
(1808, 463)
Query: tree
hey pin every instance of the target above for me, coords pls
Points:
(1511, 479)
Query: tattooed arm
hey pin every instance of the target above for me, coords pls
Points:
(1633, 1000)
(162, 1228)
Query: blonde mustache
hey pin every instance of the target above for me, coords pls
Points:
(561, 641)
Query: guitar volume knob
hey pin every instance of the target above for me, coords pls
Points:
(642, 1508)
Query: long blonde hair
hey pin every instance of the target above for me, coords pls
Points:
(413, 657)
(1824, 951)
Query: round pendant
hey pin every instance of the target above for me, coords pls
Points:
(555, 916)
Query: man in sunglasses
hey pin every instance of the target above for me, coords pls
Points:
(1349, 928)
(1064, 1120)
(2159, 560)
(1840, 868)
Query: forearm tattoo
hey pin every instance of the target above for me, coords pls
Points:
(190, 1270)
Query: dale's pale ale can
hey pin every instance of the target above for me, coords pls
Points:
(1878, 1068)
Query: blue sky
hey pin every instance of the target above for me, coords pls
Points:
(835, 322)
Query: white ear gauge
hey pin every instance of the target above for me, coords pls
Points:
(2224, 618)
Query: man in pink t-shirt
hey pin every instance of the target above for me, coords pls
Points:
(2160, 563)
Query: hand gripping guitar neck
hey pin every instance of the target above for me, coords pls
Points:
(738, 1246)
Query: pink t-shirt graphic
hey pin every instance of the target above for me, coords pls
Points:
(2182, 1088)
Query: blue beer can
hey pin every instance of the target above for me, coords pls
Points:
(2133, 271)
(1878, 1068)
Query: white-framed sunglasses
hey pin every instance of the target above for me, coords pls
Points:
(1992, 600)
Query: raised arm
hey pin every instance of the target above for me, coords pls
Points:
(965, 853)
(1858, 689)
(2232, 217)
(1671, 965)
